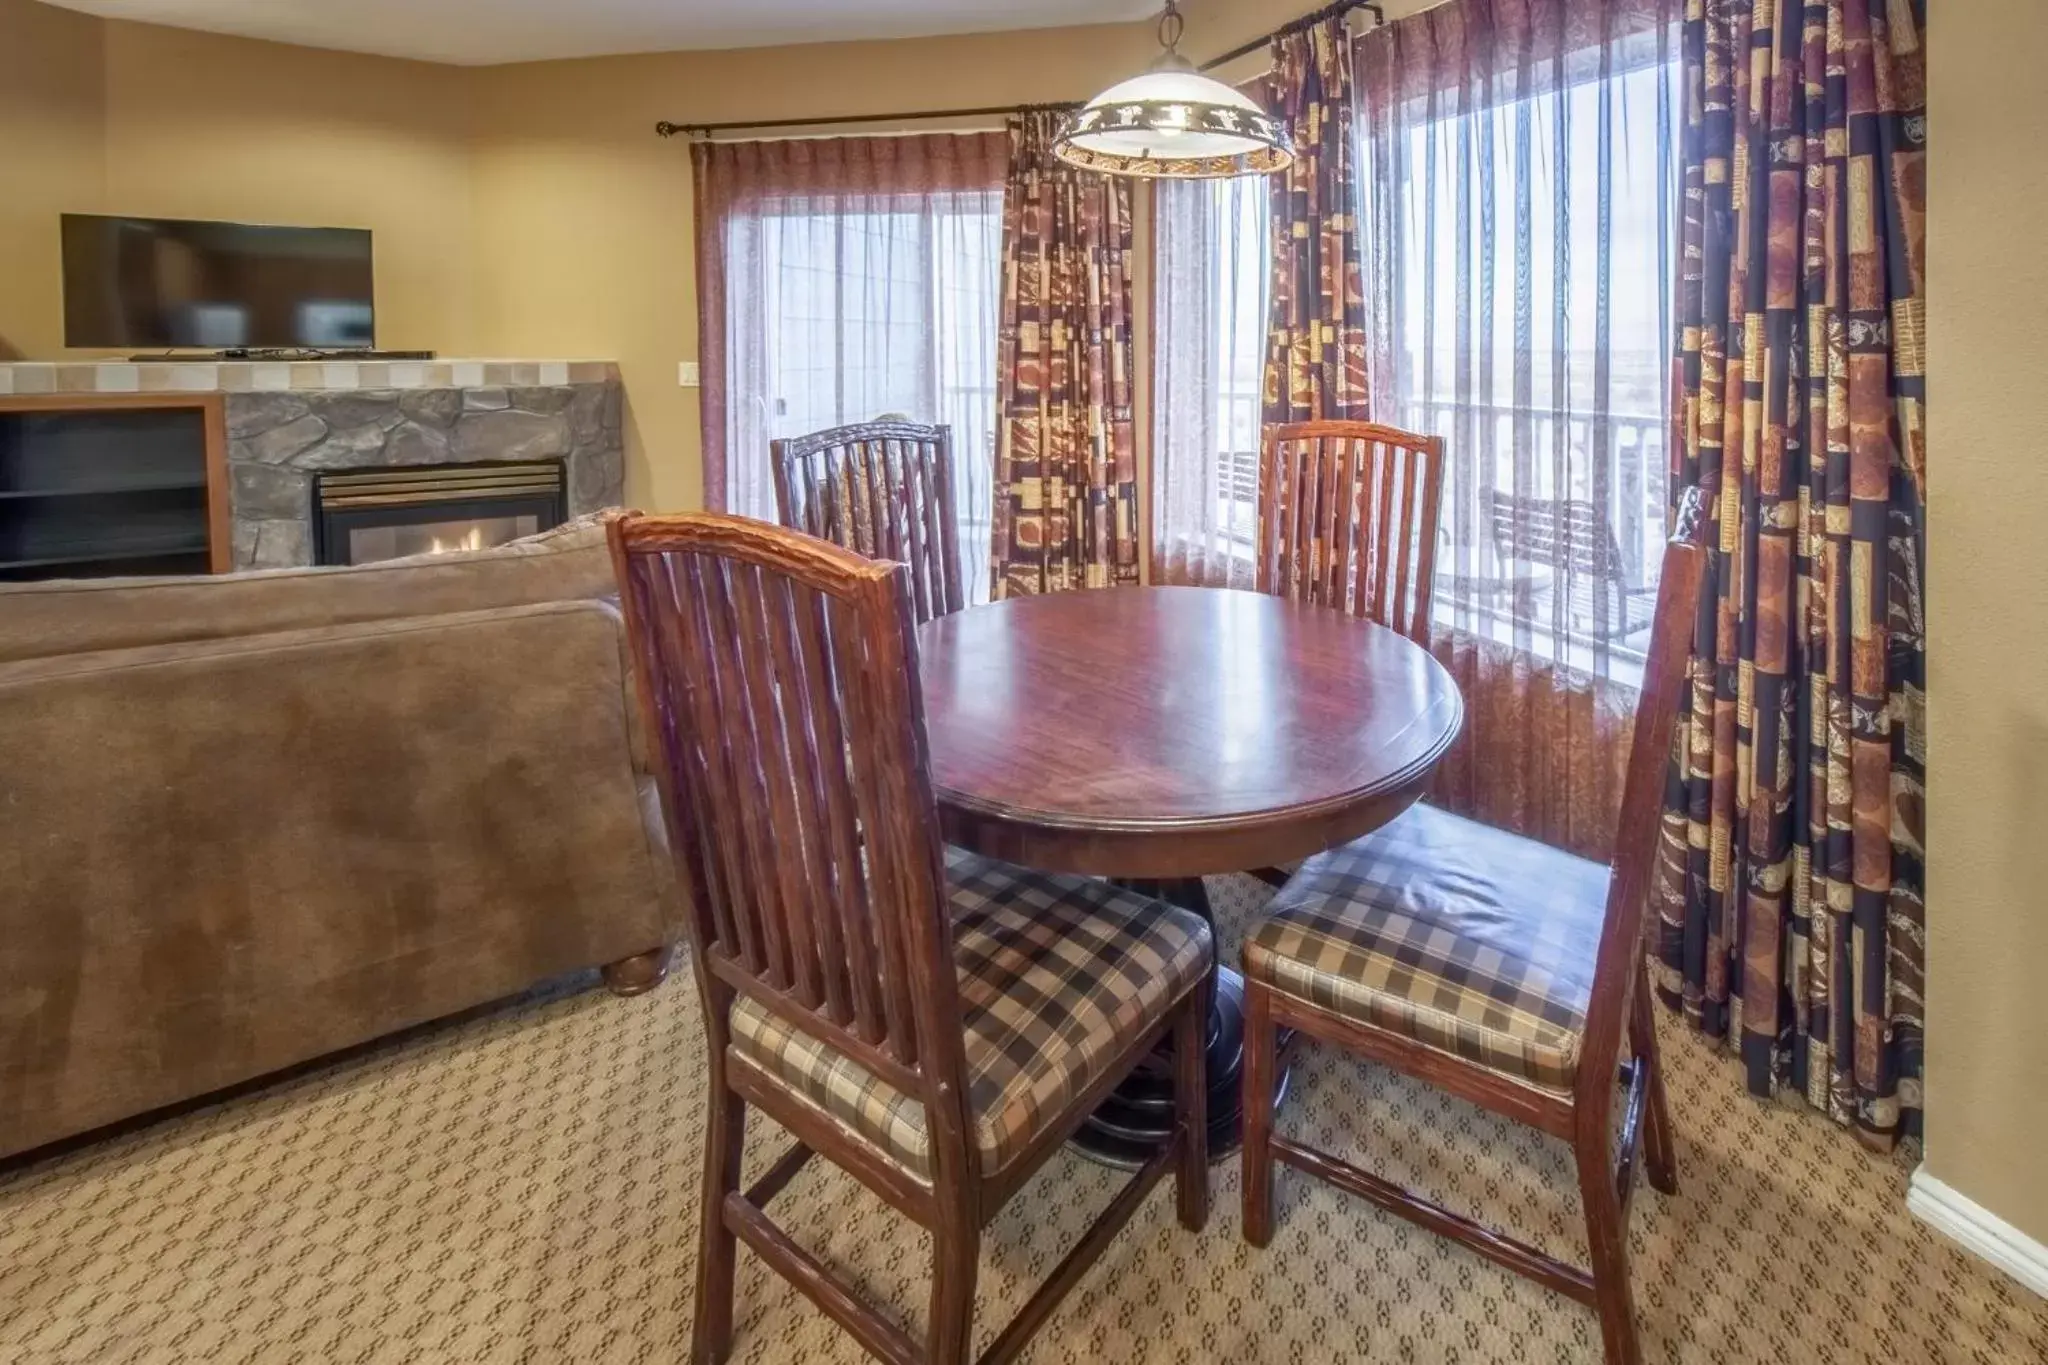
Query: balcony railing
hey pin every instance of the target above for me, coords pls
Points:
(1478, 585)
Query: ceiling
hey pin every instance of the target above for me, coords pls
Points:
(483, 32)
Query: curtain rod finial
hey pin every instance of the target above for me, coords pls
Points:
(667, 129)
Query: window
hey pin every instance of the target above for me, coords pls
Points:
(853, 279)
(869, 314)
(1523, 282)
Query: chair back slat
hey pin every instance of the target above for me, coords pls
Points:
(1348, 519)
(1332, 496)
(712, 862)
(1672, 631)
(917, 532)
(1402, 550)
(832, 846)
(856, 669)
(1340, 520)
(778, 673)
(758, 763)
(881, 512)
(777, 779)
(692, 646)
(818, 983)
(949, 590)
(1430, 488)
(884, 490)
(1380, 529)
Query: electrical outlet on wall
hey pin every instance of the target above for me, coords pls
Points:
(687, 374)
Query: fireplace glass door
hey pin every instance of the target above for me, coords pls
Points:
(391, 513)
(443, 535)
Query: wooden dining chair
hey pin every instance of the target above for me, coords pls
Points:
(933, 1022)
(1348, 519)
(1500, 969)
(882, 489)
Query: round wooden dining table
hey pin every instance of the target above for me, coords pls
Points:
(1160, 735)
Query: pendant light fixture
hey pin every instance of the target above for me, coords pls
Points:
(1174, 123)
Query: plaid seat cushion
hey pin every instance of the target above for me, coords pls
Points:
(1460, 936)
(1056, 975)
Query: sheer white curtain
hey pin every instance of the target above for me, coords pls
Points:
(856, 278)
(1519, 206)
(1520, 201)
(1210, 282)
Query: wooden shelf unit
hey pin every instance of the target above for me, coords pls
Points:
(113, 482)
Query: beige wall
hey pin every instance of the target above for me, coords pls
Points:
(202, 126)
(1987, 896)
(52, 150)
(132, 118)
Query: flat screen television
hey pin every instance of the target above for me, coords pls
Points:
(147, 282)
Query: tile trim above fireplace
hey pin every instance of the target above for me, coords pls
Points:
(273, 376)
(279, 442)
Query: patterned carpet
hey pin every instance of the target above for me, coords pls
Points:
(523, 1187)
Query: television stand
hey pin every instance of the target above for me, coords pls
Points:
(281, 353)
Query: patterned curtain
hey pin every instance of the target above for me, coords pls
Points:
(1315, 342)
(1066, 504)
(1792, 918)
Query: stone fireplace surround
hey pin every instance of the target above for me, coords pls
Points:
(277, 442)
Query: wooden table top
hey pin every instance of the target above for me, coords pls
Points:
(1174, 732)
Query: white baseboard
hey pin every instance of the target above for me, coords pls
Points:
(1976, 1229)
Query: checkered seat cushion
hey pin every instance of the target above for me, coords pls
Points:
(1466, 939)
(1056, 975)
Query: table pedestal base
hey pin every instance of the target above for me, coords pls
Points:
(1137, 1118)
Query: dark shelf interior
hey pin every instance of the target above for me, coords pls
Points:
(100, 567)
(92, 492)
(164, 483)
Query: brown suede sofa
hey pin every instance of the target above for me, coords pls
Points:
(249, 820)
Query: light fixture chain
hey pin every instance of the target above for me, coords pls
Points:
(1171, 25)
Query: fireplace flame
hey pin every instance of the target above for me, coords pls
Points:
(472, 539)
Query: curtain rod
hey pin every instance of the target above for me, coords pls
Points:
(1342, 7)
(667, 129)
(1305, 22)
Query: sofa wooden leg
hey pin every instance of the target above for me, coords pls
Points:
(638, 974)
